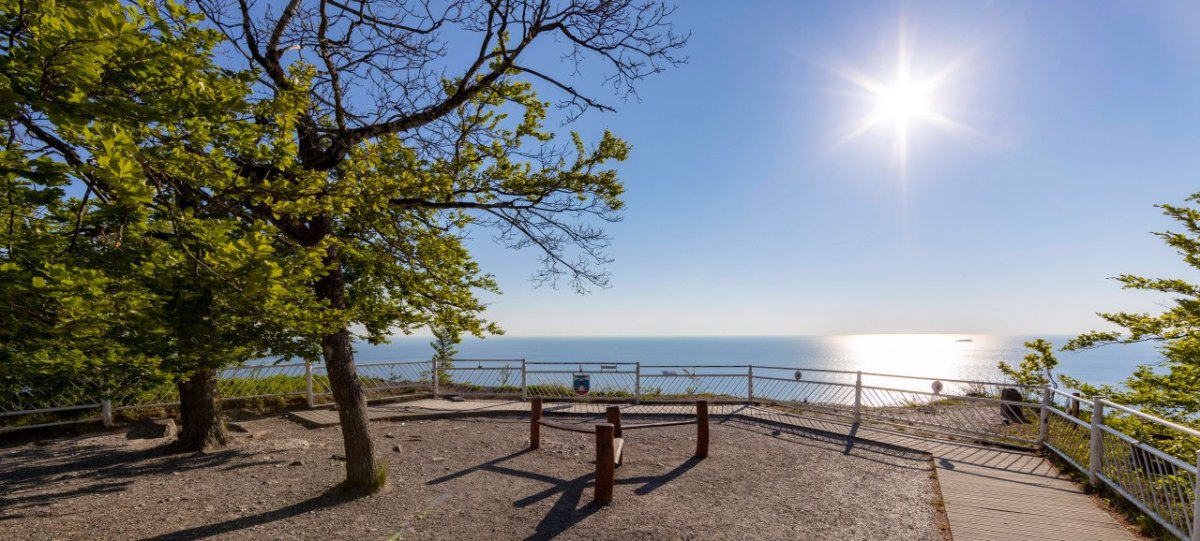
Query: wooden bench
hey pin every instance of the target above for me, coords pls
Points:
(610, 441)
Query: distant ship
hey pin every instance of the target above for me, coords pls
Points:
(964, 340)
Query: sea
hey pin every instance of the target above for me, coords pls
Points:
(952, 356)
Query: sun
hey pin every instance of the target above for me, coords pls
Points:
(903, 102)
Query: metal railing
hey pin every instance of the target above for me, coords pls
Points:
(1095, 435)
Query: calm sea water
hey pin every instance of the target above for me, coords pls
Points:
(934, 355)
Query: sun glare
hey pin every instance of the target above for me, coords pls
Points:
(903, 103)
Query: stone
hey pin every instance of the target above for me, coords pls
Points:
(151, 429)
(337, 457)
(389, 435)
(396, 448)
(297, 463)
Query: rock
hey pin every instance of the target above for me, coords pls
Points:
(337, 457)
(150, 429)
(297, 463)
(437, 459)
(396, 448)
(389, 435)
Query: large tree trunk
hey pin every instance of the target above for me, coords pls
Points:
(363, 474)
(200, 410)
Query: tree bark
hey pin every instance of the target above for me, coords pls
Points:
(363, 473)
(200, 411)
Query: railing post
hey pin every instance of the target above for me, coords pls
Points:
(637, 383)
(524, 382)
(750, 384)
(435, 377)
(1096, 451)
(858, 398)
(1196, 502)
(106, 412)
(1044, 424)
(308, 385)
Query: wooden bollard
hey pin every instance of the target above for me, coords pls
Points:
(614, 418)
(535, 428)
(701, 428)
(605, 467)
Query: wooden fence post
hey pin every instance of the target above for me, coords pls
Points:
(605, 466)
(435, 377)
(614, 418)
(1075, 405)
(535, 428)
(702, 428)
(1044, 425)
(1096, 450)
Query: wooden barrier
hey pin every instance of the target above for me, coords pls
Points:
(610, 443)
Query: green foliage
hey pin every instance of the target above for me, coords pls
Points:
(444, 340)
(1037, 368)
(1171, 387)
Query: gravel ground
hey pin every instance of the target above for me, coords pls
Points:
(469, 479)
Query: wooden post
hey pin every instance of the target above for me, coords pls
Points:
(535, 429)
(1075, 405)
(614, 417)
(1044, 425)
(702, 428)
(1096, 454)
(605, 466)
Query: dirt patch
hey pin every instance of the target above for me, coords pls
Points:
(469, 479)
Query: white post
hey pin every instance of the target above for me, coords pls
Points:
(1196, 501)
(524, 382)
(858, 398)
(1096, 454)
(750, 385)
(637, 383)
(308, 386)
(1044, 425)
(435, 377)
(106, 412)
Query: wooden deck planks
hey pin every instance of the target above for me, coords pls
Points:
(990, 493)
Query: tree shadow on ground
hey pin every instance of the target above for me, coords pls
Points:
(566, 511)
(101, 469)
(329, 498)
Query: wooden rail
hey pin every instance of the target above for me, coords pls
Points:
(610, 442)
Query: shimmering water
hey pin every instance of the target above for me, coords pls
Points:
(935, 355)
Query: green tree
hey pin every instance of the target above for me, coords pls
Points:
(1170, 387)
(444, 341)
(134, 282)
(1036, 368)
(360, 148)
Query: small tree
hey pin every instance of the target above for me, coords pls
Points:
(1037, 368)
(444, 340)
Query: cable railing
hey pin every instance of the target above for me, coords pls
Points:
(1150, 461)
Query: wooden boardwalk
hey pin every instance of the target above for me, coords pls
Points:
(990, 493)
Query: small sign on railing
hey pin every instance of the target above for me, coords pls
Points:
(608, 368)
(582, 383)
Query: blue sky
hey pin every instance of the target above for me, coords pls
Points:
(745, 217)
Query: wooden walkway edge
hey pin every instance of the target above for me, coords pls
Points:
(990, 493)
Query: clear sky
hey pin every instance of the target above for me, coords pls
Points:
(748, 214)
